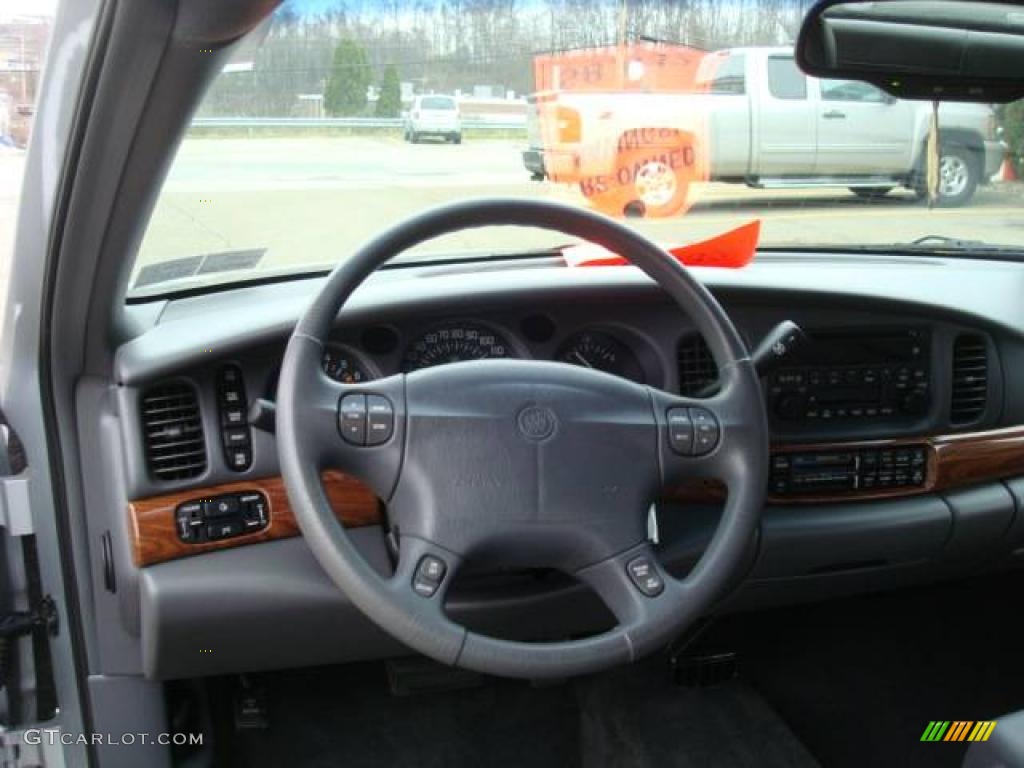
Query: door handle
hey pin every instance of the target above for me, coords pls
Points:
(834, 114)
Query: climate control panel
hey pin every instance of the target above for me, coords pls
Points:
(836, 472)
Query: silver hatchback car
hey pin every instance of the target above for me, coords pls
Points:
(434, 116)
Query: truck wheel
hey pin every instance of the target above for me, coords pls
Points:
(959, 174)
(871, 193)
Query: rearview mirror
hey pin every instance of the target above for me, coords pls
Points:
(949, 50)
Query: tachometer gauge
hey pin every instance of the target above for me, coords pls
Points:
(603, 352)
(341, 365)
(454, 343)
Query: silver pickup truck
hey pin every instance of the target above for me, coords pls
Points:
(768, 125)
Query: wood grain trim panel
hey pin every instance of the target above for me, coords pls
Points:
(979, 456)
(953, 461)
(155, 540)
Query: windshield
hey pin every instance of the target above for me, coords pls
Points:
(437, 102)
(684, 119)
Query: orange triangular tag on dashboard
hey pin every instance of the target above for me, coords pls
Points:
(731, 250)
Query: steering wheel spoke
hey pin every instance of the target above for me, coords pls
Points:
(710, 438)
(357, 428)
(633, 585)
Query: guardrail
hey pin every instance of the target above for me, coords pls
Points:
(474, 123)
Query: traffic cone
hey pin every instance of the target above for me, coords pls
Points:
(1007, 172)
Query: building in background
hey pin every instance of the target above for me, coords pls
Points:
(22, 47)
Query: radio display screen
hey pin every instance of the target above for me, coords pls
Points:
(831, 348)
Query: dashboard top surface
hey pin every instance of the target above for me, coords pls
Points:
(173, 334)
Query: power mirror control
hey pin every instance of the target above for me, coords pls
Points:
(221, 517)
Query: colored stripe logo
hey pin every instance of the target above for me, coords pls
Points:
(958, 730)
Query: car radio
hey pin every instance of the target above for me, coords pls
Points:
(855, 376)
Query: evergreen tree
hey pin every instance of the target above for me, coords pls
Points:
(389, 103)
(348, 80)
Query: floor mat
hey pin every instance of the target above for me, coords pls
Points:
(859, 679)
(346, 716)
(637, 718)
(631, 717)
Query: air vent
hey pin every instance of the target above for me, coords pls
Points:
(970, 378)
(173, 432)
(697, 367)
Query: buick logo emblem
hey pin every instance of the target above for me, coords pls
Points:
(536, 422)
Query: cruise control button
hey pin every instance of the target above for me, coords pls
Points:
(705, 430)
(380, 419)
(645, 576)
(352, 419)
(680, 431)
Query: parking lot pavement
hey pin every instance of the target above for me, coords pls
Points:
(319, 198)
(316, 199)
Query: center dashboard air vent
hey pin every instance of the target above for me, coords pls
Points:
(970, 379)
(697, 368)
(173, 431)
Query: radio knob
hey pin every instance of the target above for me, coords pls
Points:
(914, 404)
(789, 406)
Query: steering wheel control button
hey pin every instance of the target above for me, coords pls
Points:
(680, 431)
(645, 576)
(352, 419)
(705, 431)
(380, 419)
(429, 575)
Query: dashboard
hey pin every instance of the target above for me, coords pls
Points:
(897, 440)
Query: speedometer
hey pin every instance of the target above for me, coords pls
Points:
(454, 343)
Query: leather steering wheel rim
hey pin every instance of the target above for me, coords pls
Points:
(483, 459)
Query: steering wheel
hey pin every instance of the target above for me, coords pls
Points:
(522, 463)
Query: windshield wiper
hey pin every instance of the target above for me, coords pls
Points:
(949, 242)
(929, 245)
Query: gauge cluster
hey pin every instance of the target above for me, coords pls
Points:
(377, 351)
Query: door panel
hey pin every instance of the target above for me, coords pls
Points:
(861, 130)
(787, 125)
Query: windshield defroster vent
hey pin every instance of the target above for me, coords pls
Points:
(970, 378)
(173, 431)
(697, 368)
